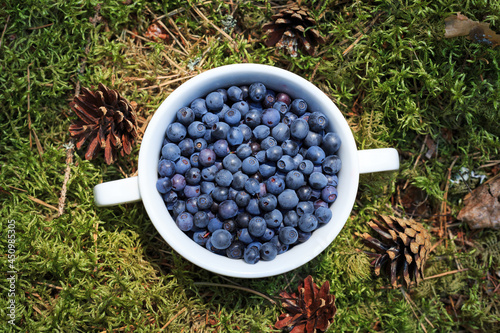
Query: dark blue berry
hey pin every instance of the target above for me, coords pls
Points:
(288, 235)
(166, 168)
(331, 165)
(268, 251)
(185, 116)
(163, 185)
(331, 143)
(184, 221)
(199, 107)
(214, 101)
(257, 91)
(228, 209)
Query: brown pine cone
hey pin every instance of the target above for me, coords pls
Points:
(310, 311)
(292, 28)
(106, 121)
(404, 248)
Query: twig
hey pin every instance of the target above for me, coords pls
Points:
(70, 147)
(49, 285)
(4, 29)
(41, 26)
(416, 161)
(236, 287)
(43, 203)
(173, 318)
(172, 22)
(407, 298)
(132, 78)
(361, 34)
(442, 219)
(446, 273)
(216, 27)
(166, 83)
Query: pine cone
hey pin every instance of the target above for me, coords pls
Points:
(291, 29)
(310, 311)
(107, 121)
(405, 246)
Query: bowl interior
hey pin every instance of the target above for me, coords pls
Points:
(281, 81)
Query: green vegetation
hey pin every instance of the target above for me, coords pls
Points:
(401, 84)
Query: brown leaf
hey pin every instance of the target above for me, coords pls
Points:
(479, 32)
(482, 206)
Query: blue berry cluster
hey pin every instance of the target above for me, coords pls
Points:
(248, 172)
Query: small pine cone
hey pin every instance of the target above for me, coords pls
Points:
(291, 28)
(404, 248)
(106, 120)
(311, 310)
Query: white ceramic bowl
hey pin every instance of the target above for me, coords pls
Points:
(143, 187)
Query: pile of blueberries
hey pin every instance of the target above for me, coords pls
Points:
(252, 179)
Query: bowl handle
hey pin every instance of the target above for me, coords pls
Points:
(117, 192)
(376, 160)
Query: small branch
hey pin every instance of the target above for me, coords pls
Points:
(216, 27)
(69, 160)
(166, 83)
(49, 285)
(236, 287)
(4, 29)
(173, 318)
(446, 273)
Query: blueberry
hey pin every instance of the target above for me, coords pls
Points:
(315, 154)
(208, 174)
(281, 132)
(331, 143)
(201, 219)
(298, 106)
(234, 136)
(304, 193)
(288, 199)
(193, 176)
(214, 224)
(257, 91)
(332, 180)
(252, 186)
(267, 169)
(317, 121)
(171, 151)
(192, 205)
(220, 194)
(243, 151)
(283, 97)
(241, 106)
(273, 218)
(294, 179)
(250, 165)
(251, 255)
(306, 167)
(166, 168)
(223, 178)
(244, 90)
(285, 163)
(204, 202)
(182, 165)
(275, 185)
(288, 235)
(220, 130)
(268, 235)
(257, 226)
(305, 208)
(268, 251)
(331, 165)
(268, 202)
(170, 198)
(184, 221)
(232, 117)
(207, 187)
(281, 107)
(191, 191)
(187, 147)
(163, 185)
(308, 223)
(235, 250)
(200, 237)
(214, 101)
(221, 239)
(273, 154)
(194, 160)
(221, 148)
(242, 219)
(196, 129)
(223, 92)
(228, 209)
(234, 94)
(209, 119)
(179, 207)
(320, 203)
(207, 157)
(299, 129)
(178, 182)
(268, 143)
(252, 118)
(232, 163)
(304, 236)
(239, 180)
(329, 194)
(199, 107)
(185, 116)
(269, 99)
(323, 214)
(291, 219)
(244, 236)
(289, 118)
(261, 132)
(255, 147)
(297, 159)
(242, 199)
(270, 117)
(290, 148)
(246, 131)
(253, 207)
(261, 156)
(317, 181)
(313, 139)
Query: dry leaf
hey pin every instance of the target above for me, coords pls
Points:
(479, 32)
(482, 206)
